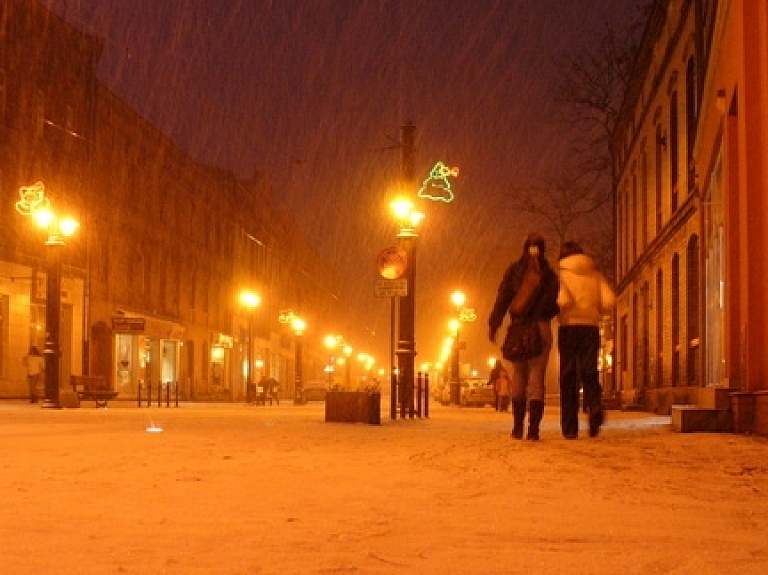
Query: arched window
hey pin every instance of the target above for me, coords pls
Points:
(691, 113)
(675, 309)
(660, 145)
(674, 151)
(692, 310)
(659, 328)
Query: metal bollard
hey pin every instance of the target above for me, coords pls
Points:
(159, 394)
(149, 393)
(138, 394)
(426, 395)
(418, 393)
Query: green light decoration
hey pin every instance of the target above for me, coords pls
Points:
(437, 187)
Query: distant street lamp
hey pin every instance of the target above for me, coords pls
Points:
(34, 203)
(298, 325)
(347, 353)
(457, 298)
(330, 341)
(250, 302)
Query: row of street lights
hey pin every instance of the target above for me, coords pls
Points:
(250, 301)
(337, 342)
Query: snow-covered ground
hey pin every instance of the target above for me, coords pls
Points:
(234, 489)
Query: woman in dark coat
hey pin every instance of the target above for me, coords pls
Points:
(528, 375)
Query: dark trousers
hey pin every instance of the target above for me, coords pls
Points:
(579, 346)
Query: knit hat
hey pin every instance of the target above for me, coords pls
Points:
(534, 239)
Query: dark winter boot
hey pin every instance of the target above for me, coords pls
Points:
(596, 419)
(535, 413)
(518, 418)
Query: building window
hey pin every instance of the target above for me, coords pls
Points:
(637, 368)
(691, 113)
(659, 328)
(644, 198)
(675, 310)
(633, 216)
(674, 151)
(692, 310)
(624, 350)
(660, 143)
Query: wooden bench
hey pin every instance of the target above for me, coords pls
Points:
(93, 388)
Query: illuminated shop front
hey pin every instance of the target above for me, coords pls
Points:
(146, 351)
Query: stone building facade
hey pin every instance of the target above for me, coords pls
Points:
(150, 283)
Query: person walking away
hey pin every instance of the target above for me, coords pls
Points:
(528, 375)
(274, 391)
(502, 386)
(584, 297)
(35, 366)
(492, 377)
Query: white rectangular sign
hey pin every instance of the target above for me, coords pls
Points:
(391, 288)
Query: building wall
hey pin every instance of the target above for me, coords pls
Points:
(732, 141)
(163, 238)
(47, 79)
(718, 230)
(657, 215)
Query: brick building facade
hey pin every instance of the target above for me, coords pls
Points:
(690, 178)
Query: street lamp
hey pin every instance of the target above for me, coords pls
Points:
(298, 325)
(250, 301)
(408, 219)
(457, 298)
(330, 341)
(347, 353)
(34, 203)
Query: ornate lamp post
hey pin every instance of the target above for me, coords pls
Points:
(347, 349)
(457, 298)
(250, 302)
(330, 341)
(408, 219)
(34, 203)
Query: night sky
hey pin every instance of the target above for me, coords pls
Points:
(315, 93)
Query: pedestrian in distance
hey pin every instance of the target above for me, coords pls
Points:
(35, 366)
(584, 297)
(492, 377)
(274, 390)
(541, 306)
(502, 387)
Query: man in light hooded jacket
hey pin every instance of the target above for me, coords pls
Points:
(584, 297)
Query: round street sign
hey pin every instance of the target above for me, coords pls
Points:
(392, 262)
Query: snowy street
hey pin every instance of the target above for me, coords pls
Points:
(235, 489)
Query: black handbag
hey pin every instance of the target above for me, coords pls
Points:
(523, 340)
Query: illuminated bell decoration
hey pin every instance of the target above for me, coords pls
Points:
(437, 187)
(32, 199)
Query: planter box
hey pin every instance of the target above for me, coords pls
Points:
(353, 407)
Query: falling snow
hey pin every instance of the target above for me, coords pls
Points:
(314, 93)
